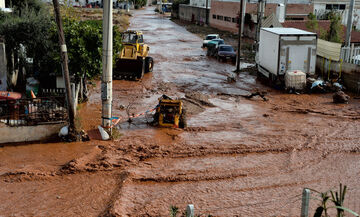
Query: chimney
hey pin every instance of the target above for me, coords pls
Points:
(280, 13)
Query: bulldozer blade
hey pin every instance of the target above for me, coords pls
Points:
(127, 69)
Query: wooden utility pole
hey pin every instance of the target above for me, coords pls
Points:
(65, 68)
(239, 37)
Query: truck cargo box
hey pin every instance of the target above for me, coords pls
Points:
(286, 49)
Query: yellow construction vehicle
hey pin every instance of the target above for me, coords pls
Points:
(170, 113)
(133, 60)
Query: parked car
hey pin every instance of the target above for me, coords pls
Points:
(226, 52)
(209, 38)
(213, 45)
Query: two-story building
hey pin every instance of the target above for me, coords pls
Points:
(341, 6)
(197, 11)
(224, 14)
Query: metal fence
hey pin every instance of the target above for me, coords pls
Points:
(350, 55)
(30, 112)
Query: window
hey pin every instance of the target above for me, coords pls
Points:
(220, 17)
(233, 20)
(228, 19)
(141, 39)
(335, 6)
(214, 16)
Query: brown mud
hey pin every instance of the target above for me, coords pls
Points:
(238, 156)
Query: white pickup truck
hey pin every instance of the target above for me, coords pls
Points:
(209, 38)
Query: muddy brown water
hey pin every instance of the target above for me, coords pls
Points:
(238, 157)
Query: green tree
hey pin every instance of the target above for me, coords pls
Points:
(26, 36)
(84, 43)
(336, 30)
(312, 23)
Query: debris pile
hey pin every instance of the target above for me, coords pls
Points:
(340, 97)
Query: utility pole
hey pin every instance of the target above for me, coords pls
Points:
(65, 68)
(106, 79)
(237, 70)
(261, 11)
(160, 10)
(243, 11)
(207, 13)
(349, 23)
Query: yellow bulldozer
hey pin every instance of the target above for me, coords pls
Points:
(133, 60)
(170, 113)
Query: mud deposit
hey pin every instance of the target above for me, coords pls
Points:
(238, 156)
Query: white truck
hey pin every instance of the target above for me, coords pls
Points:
(286, 49)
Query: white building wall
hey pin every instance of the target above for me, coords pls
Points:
(2, 3)
(200, 3)
(320, 8)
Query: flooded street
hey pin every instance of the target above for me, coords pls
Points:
(237, 157)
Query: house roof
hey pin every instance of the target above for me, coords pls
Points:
(322, 24)
(271, 21)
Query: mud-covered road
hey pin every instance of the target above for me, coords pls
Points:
(237, 157)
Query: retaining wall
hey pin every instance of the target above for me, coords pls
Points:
(350, 73)
(28, 133)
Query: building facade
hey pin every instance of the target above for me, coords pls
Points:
(200, 3)
(321, 7)
(2, 3)
(224, 14)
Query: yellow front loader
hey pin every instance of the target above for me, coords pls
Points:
(133, 60)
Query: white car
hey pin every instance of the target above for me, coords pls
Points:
(209, 38)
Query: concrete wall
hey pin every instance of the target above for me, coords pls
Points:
(28, 133)
(350, 73)
(2, 3)
(220, 10)
(192, 14)
(3, 74)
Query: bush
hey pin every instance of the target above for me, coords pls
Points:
(84, 44)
